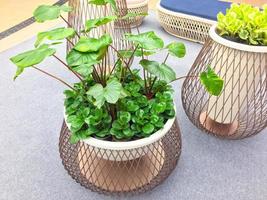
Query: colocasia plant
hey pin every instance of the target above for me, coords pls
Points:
(120, 104)
(244, 23)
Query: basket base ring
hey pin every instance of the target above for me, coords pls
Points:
(217, 128)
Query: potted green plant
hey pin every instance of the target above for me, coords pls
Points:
(237, 52)
(118, 110)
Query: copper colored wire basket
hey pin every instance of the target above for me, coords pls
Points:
(121, 172)
(240, 110)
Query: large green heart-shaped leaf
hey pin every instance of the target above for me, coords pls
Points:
(111, 93)
(55, 34)
(94, 23)
(30, 58)
(162, 71)
(104, 2)
(137, 53)
(93, 44)
(212, 82)
(81, 62)
(148, 40)
(48, 12)
(177, 49)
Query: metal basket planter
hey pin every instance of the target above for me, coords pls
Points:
(122, 168)
(137, 7)
(184, 26)
(83, 11)
(241, 109)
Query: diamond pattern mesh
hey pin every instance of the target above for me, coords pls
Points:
(241, 109)
(121, 172)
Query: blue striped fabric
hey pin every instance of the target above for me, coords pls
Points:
(207, 9)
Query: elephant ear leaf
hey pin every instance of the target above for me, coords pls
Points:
(177, 49)
(55, 34)
(94, 23)
(148, 40)
(30, 58)
(47, 12)
(212, 82)
(162, 71)
(111, 93)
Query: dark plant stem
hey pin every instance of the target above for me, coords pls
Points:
(126, 64)
(112, 108)
(166, 58)
(153, 82)
(68, 67)
(70, 42)
(69, 25)
(114, 66)
(52, 76)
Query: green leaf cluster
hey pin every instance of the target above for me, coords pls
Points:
(111, 102)
(244, 23)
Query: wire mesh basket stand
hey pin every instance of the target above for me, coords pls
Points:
(240, 110)
(83, 11)
(121, 172)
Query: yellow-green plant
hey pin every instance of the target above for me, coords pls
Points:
(244, 23)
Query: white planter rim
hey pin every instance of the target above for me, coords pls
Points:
(235, 45)
(127, 145)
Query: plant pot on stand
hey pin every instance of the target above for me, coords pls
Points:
(240, 110)
(121, 168)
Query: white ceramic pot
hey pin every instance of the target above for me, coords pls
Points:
(123, 151)
(240, 85)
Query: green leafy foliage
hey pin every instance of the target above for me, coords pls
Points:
(111, 93)
(212, 82)
(177, 49)
(55, 34)
(94, 23)
(162, 71)
(30, 58)
(112, 101)
(86, 44)
(47, 12)
(244, 23)
(148, 40)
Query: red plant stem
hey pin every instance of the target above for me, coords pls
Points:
(70, 42)
(68, 67)
(52, 76)
(122, 59)
(69, 25)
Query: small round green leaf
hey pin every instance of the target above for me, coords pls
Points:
(212, 82)
(177, 49)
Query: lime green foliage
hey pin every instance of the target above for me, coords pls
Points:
(54, 35)
(244, 23)
(46, 12)
(30, 58)
(111, 101)
(212, 82)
